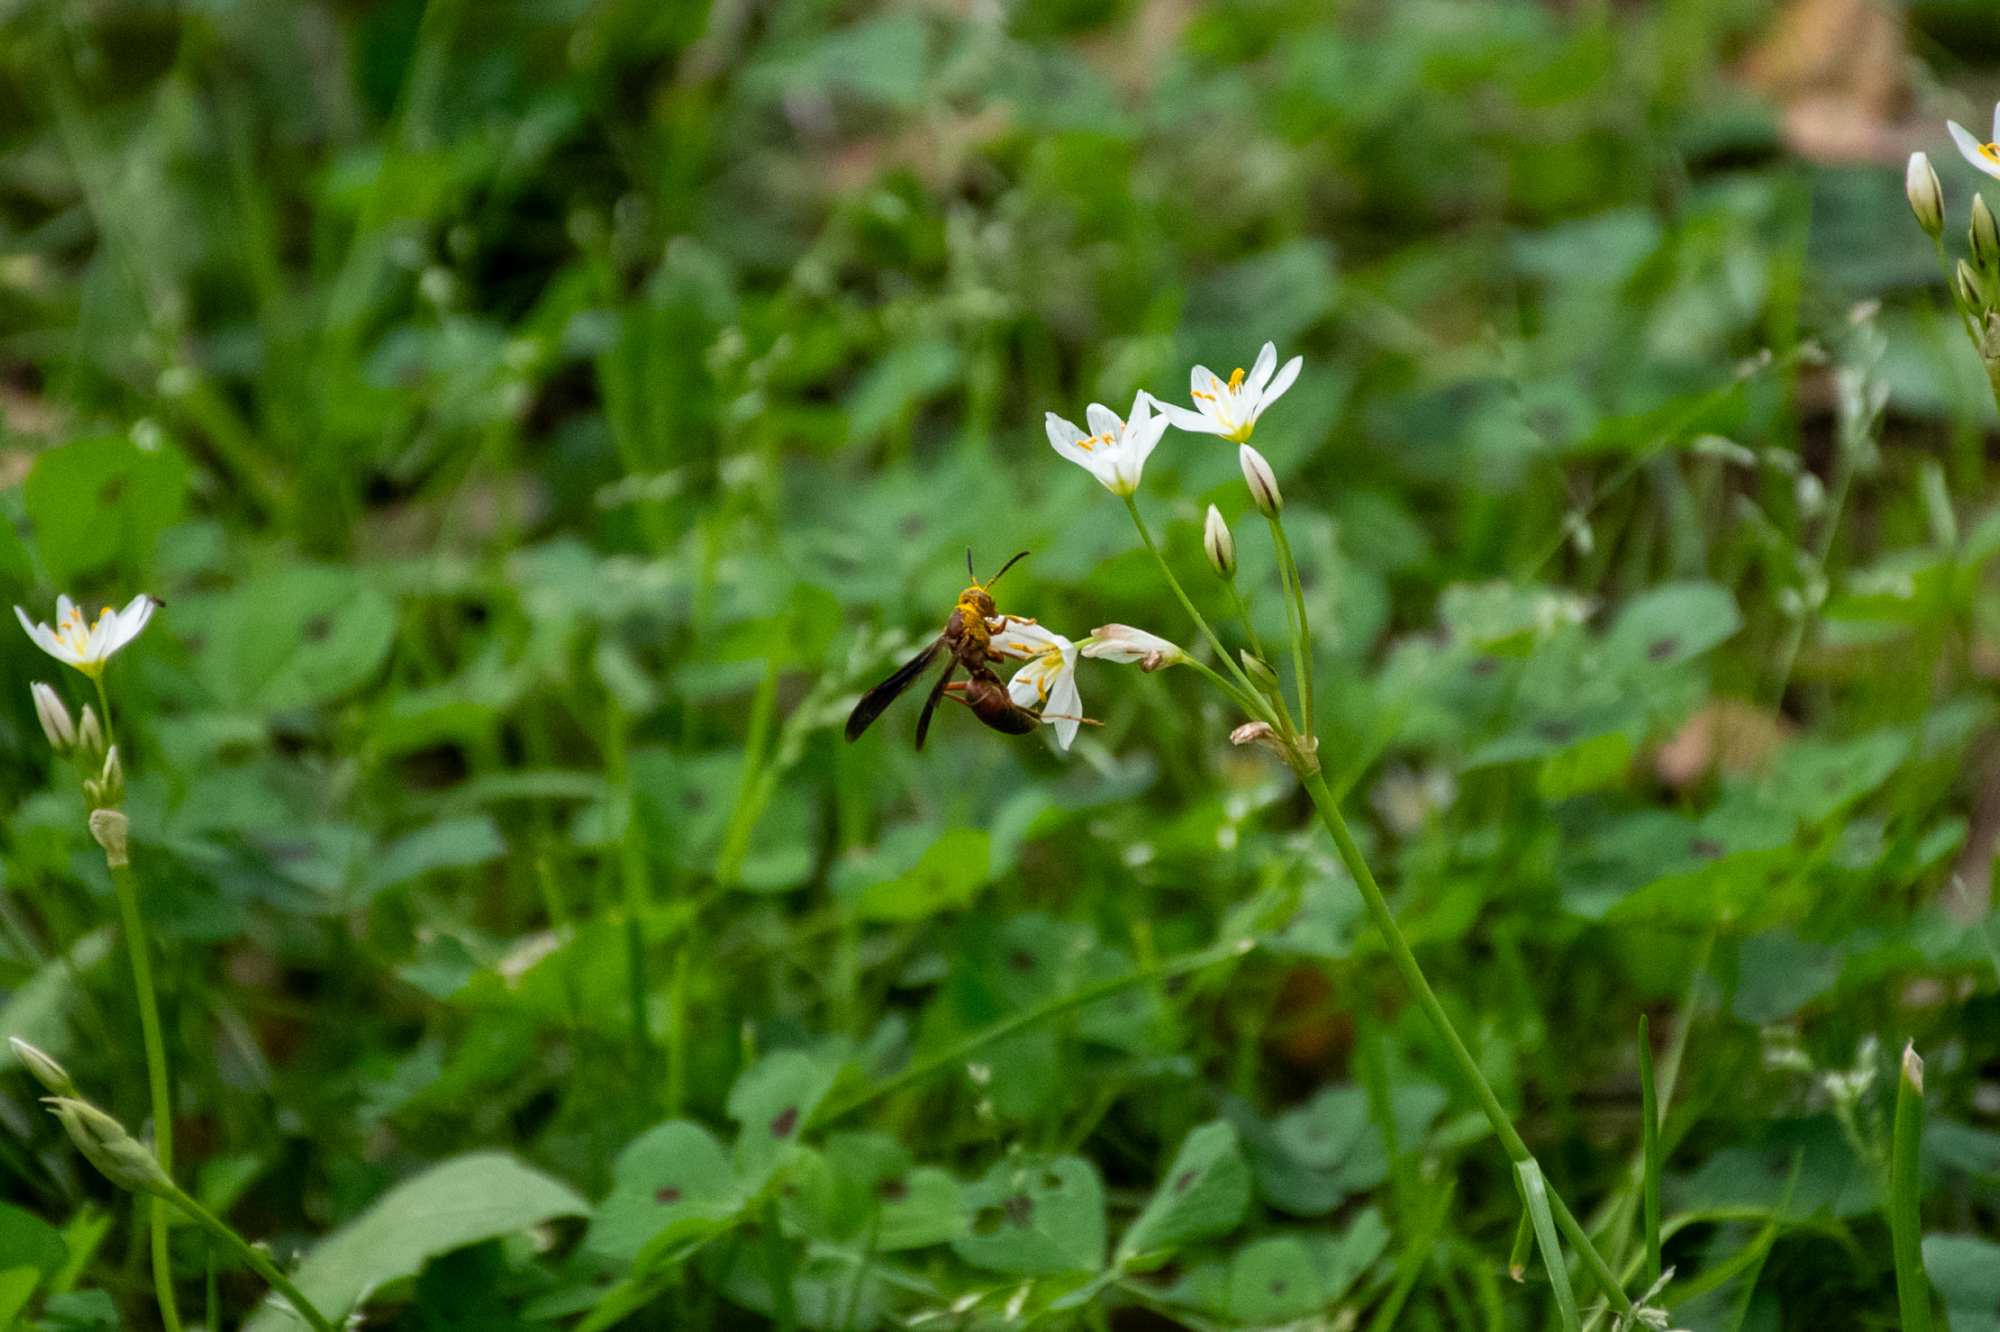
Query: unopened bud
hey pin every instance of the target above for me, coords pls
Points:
(118, 1156)
(1971, 289)
(1920, 183)
(1262, 481)
(90, 732)
(111, 828)
(53, 1076)
(1259, 671)
(1252, 733)
(1985, 237)
(56, 724)
(1219, 542)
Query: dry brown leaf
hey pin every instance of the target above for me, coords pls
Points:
(1732, 734)
(1836, 70)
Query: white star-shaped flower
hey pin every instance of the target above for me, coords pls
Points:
(89, 647)
(1114, 451)
(1047, 682)
(1230, 409)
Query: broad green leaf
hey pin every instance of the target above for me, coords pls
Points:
(1272, 1281)
(1966, 1272)
(1342, 1261)
(16, 567)
(773, 1100)
(103, 500)
(461, 1201)
(949, 876)
(451, 844)
(1036, 1216)
(672, 1175)
(26, 1238)
(301, 635)
(1204, 1194)
(16, 1285)
(79, 1310)
(1815, 778)
(1672, 623)
(925, 1207)
(1779, 973)
(1594, 764)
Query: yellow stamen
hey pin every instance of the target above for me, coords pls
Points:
(1991, 152)
(1236, 380)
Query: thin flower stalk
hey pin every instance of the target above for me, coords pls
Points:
(1301, 629)
(1249, 690)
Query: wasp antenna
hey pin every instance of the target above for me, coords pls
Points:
(968, 565)
(1005, 567)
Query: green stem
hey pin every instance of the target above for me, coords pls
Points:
(1906, 1191)
(1132, 507)
(632, 862)
(249, 1253)
(1301, 628)
(156, 1077)
(1649, 1103)
(778, 1269)
(1243, 610)
(1413, 975)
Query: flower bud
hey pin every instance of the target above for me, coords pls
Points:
(118, 1156)
(1262, 481)
(1985, 237)
(56, 724)
(1122, 643)
(1259, 671)
(1970, 289)
(53, 1076)
(1220, 544)
(90, 733)
(110, 827)
(1252, 733)
(1920, 183)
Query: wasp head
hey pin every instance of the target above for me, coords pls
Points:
(977, 601)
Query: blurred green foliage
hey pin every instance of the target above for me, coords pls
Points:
(541, 421)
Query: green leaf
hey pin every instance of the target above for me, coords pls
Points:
(1535, 1195)
(925, 1207)
(1815, 778)
(774, 1099)
(1593, 765)
(79, 1310)
(16, 1285)
(1273, 1280)
(26, 1238)
(1342, 1261)
(16, 567)
(103, 500)
(1204, 1194)
(450, 844)
(462, 1201)
(301, 635)
(1966, 1272)
(950, 875)
(1036, 1216)
(1672, 623)
(673, 1177)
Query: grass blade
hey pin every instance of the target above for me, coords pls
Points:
(1650, 1107)
(1905, 1190)
(1535, 1195)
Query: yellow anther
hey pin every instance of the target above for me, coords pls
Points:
(1236, 380)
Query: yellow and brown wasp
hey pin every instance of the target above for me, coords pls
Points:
(966, 644)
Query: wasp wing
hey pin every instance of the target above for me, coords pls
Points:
(882, 695)
(930, 704)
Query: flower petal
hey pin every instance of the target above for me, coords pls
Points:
(1996, 124)
(1286, 378)
(1065, 702)
(1068, 441)
(1026, 686)
(1195, 423)
(128, 623)
(1103, 421)
(1971, 149)
(1260, 373)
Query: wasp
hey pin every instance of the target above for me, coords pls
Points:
(966, 644)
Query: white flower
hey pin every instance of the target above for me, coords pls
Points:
(88, 648)
(1231, 410)
(1047, 682)
(1122, 643)
(1115, 451)
(1985, 156)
